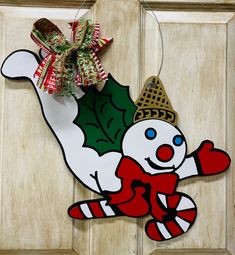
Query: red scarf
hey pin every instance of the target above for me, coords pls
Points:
(130, 172)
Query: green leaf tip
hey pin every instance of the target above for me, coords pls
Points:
(105, 116)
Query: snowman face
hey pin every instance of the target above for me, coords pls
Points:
(156, 145)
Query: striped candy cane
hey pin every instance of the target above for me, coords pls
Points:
(93, 209)
(181, 220)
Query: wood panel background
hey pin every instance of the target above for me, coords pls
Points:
(198, 74)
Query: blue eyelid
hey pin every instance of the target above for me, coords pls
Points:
(178, 140)
(150, 133)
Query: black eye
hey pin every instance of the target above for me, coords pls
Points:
(178, 140)
(150, 133)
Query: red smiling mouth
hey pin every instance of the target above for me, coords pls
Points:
(157, 167)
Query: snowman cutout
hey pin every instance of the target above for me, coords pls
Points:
(141, 178)
(154, 159)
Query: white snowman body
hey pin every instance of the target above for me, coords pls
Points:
(155, 144)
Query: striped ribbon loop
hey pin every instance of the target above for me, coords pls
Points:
(68, 65)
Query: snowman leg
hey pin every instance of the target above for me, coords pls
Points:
(181, 215)
(93, 209)
(100, 208)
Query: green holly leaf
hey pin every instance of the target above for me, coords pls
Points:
(105, 116)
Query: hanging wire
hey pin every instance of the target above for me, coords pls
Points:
(156, 18)
(160, 32)
(75, 18)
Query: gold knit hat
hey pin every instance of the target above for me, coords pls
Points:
(153, 103)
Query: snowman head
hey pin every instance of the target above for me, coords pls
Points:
(156, 145)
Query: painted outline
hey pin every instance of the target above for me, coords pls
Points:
(42, 110)
(193, 154)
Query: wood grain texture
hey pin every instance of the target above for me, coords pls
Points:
(2, 84)
(195, 5)
(194, 75)
(230, 136)
(178, 5)
(121, 20)
(184, 17)
(159, 252)
(118, 236)
(203, 2)
(61, 14)
(81, 229)
(191, 252)
(37, 186)
(48, 3)
(206, 5)
(38, 252)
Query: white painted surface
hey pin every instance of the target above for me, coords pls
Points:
(60, 114)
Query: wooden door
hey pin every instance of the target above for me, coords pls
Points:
(198, 72)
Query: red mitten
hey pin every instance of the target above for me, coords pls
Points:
(211, 160)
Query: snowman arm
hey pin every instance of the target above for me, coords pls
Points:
(206, 160)
(188, 168)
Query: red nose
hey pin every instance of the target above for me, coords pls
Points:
(165, 153)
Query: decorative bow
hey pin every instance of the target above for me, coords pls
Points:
(68, 65)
